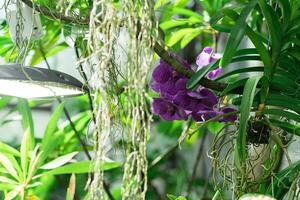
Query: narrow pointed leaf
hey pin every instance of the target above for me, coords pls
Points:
(274, 26)
(257, 42)
(81, 167)
(51, 128)
(25, 150)
(172, 23)
(59, 161)
(71, 188)
(237, 34)
(282, 113)
(4, 148)
(178, 35)
(194, 80)
(288, 127)
(283, 101)
(239, 71)
(188, 38)
(27, 121)
(4, 179)
(8, 165)
(246, 104)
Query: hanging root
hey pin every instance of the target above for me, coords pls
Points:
(127, 107)
(103, 31)
(261, 162)
(139, 58)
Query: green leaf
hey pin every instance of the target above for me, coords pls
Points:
(215, 18)
(81, 168)
(284, 83)
(59, 161)
(12, 194)
(247, 99)
(37, 57)
(4, 101)
(178, 35)
(4, 148)
(286, 8)
(15, 164)
(237, 34)
(283, 180)
(239, 71)
(49, 136)
(181, 3)
(232, 86)
(215, 127)
(282, 113)
(160, 3)
(6, 187)
(173, 23)
(188, 38)
(34, 161)
(8, 165)
(222, 28)
(246, 51)
(27, 121)
(288, 127)
(172, 197)
(4, 179)
(5, 40)
(274, 27)
(52, 124)
(217, 195)
(257, 41)
(71, 188)
(25, 150)
(283, 101)
(194, 80)
(294, 52)
(183, 12)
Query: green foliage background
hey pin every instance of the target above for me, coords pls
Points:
(267, 91)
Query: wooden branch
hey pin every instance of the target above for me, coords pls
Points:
(55, 15)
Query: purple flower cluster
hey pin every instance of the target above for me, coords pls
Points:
(176, 102)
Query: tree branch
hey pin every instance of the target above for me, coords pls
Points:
(56, 15)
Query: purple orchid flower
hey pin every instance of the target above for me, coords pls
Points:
(204, 115)
(230, 118)
(167, 110)
(176, 102)
(204, 58)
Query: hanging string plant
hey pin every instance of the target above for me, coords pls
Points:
(141, 31)
(103, 30)
(105, 21)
